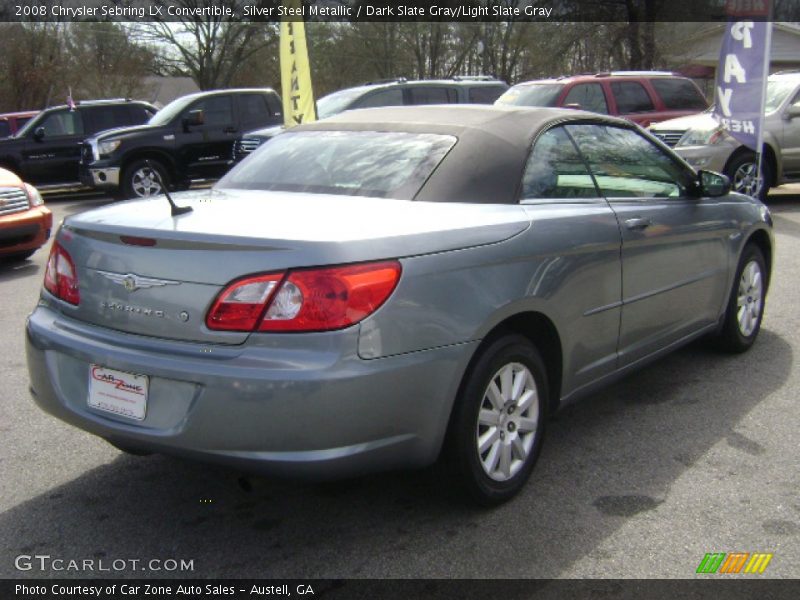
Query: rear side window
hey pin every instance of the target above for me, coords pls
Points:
(679, 94)
(108, 117)
(432, 95)
(485, 94)
(589, 96)
(139, 114)
(353, 163)
(253, 108)
(631, 97)
(392, 97)
(556, 170)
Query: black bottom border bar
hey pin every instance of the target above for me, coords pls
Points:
(727, 587)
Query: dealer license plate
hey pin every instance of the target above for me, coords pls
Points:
(118, 392)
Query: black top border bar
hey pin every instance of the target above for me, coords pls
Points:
(464, 11)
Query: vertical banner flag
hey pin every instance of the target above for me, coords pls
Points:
(742, 79)
(298, 97)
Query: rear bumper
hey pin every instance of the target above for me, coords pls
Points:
(319, 412)
(25, 231)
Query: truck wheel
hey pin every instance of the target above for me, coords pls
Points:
(141, 180)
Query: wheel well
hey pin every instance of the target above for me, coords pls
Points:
(761, 240)
(769, 154)
(543, 334)
(162, 158)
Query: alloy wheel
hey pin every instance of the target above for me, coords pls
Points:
(745, 180)
(507, 421)
(749, 298)
(146, 182)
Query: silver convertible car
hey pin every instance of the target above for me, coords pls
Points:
(393, 286)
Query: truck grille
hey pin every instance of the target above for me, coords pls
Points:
(247, 145)
(87, 157)
(13, 200)
(669, 137)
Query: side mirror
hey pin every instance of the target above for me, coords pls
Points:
(713, 185)
(38, 134)
(792, 112)
(194, 118)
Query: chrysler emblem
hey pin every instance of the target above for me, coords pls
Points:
(132, 282)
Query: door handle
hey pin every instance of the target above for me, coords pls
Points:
(638, 223)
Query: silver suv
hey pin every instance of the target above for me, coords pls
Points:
(702, 142)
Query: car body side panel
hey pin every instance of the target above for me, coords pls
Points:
(566, 264)
(675, 270)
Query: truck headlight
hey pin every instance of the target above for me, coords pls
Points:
(107, 147)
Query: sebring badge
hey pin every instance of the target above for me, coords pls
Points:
(132, 282)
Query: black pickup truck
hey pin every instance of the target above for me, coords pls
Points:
(190, 138)
(46, 151)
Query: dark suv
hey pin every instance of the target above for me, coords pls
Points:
(46, 151)
(190, 138)
(643, 97)
(391, 92)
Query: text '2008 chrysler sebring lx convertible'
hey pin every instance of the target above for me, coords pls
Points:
(392, 286)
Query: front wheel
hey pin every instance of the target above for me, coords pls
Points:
(742, 320)
(742, 173)
(498, 421)
(142, 179)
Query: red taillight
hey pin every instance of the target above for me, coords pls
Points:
(305, 300)
(60, 276)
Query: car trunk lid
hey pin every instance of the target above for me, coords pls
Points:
(142, 271)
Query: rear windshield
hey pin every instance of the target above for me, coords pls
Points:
(679, 94)
(353, 163)
(536, 94)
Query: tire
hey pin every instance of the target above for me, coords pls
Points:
(493, 442)
(745, 310)
(741, 170)
(138, 180)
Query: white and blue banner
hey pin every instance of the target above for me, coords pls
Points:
(741, 80)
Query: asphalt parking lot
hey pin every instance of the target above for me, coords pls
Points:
(697, 453)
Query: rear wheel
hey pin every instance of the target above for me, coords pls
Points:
(742, 173)
(143, 178)
(742, 320)
(498, 421)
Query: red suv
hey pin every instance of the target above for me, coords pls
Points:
(644, 97)
(10, 123)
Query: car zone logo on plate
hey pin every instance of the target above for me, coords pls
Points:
(118, 392)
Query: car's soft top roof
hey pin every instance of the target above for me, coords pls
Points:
(516, 125)
(493, 143)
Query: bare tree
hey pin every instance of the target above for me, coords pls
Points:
(209, 48)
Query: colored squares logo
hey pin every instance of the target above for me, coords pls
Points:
(734, 562)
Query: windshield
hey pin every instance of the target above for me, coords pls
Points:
(777, 91)
(334, 103)
(170, 111)
(353, 163)
(532, 94)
